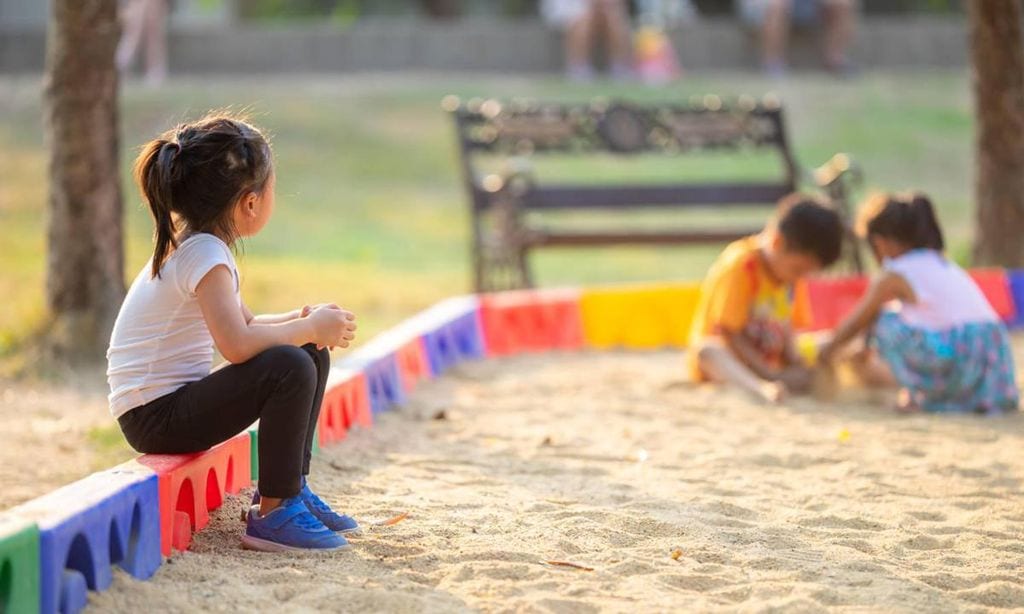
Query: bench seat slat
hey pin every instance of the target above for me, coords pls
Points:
(545, 238)
(568, 197)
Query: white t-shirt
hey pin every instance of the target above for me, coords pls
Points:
(946, 295)
(160, 340)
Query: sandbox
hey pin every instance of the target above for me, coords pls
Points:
(675, 497)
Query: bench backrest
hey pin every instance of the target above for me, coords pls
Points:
(523, 128)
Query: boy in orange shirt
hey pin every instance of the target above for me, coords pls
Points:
(743, 328)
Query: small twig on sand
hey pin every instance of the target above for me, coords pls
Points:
(392, 521)
(567, 564)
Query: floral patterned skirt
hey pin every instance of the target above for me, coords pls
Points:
(965, 369)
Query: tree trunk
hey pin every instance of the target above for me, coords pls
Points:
(998, 58)
(85, 261)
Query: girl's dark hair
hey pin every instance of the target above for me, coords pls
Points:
(908, 218)
(192, 175)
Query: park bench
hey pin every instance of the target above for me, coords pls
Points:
(504, 203)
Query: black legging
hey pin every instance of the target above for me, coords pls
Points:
(282, 386)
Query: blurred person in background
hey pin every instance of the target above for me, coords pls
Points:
(772, 18)
(144, 23)
(583, 21)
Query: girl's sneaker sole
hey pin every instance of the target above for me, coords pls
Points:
(262, 545)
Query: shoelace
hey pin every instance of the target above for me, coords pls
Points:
(318, 503)
(307, 521)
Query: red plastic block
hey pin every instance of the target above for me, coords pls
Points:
(531, 320)
(413, 364)
(831, 299)
(346, 404)
(995, 285)
(193, 484)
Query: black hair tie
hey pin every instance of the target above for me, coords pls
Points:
(168, 153)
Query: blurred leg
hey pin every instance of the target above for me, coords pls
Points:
(720, 365)
(132, 15)
(155, 31)
(579, 39)
(614, 18)
(840, 19)
(774, 35)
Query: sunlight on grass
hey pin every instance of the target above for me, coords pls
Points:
(108, 446)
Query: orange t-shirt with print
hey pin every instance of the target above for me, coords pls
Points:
(740, 294)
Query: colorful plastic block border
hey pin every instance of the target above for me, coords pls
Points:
(54, 548)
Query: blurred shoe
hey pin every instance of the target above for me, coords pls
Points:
(580, 73)
(620, 71)
(289, 527)
(774, 69)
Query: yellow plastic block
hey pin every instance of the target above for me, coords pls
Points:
(639, 317)
(807, 346)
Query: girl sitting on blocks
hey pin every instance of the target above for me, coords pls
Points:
(209, 183)
(937, 336)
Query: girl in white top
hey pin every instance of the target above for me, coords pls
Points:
(209, 183)
(937, 335)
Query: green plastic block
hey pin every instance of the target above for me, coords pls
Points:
(254, 452)
(19, 567)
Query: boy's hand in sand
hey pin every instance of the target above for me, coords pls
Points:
(827, 353)
(332, 326)
(797, 379)
(773, 392)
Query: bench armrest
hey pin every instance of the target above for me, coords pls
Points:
(839, 170)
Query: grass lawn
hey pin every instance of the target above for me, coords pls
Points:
(371, 211)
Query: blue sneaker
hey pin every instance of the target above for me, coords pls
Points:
(288, 527)
(342, 523)
(334, 521)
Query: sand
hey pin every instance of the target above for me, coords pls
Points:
(677, 497)
(49, 434)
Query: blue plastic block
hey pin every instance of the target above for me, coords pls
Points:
(378, 360)
(1017, 291)
(384, 381)
(454, 340)
(108, 518)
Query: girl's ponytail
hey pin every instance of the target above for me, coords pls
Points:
(927, 231)
(154, 173)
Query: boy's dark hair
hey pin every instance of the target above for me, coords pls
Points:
(192, 175)
(908, 218)
(810, 226)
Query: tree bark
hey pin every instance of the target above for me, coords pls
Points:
(85, 261)
(997, 55)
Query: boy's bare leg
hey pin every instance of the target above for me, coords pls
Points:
(719, 364)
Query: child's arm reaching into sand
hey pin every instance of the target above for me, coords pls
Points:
(887, 287)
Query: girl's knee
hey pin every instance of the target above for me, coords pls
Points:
(292, 362)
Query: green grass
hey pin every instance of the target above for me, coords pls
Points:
(371, 211)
